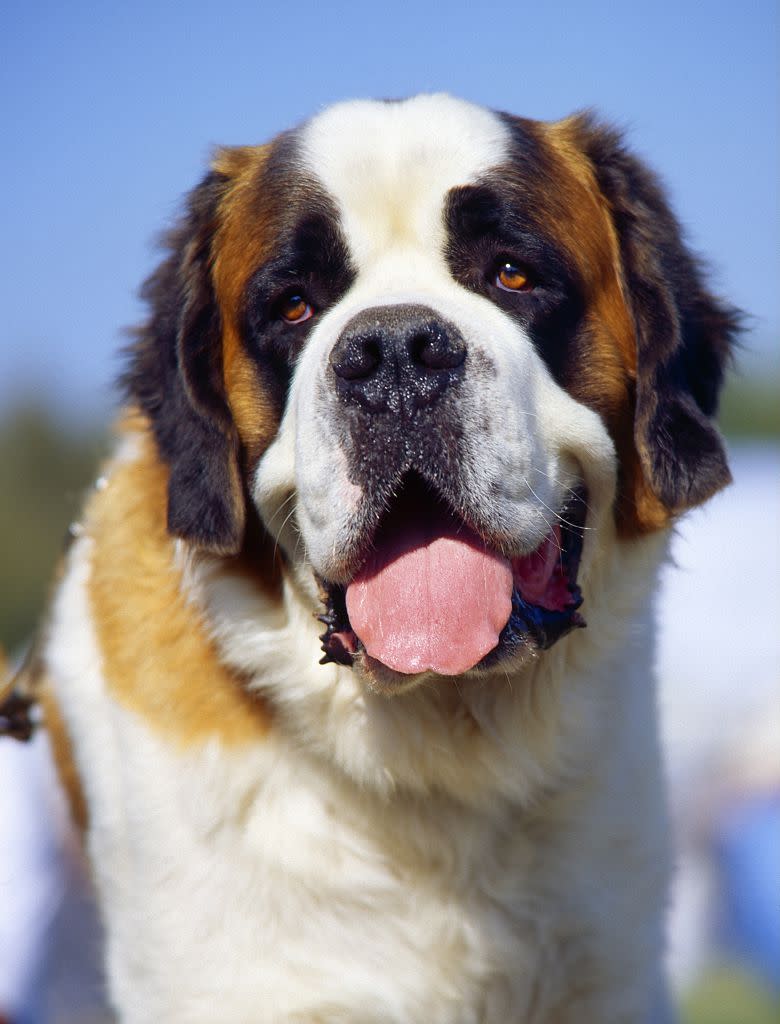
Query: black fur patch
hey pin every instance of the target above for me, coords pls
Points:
(175, 376)
(311, 259)
(175, 366)
(510, 215)
(498, 220)
(684, 334)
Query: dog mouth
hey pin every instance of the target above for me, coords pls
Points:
(433, 595)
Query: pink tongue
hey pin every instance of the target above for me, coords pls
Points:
(431, 598)
(540, 577)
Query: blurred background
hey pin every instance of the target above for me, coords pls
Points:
(107, 115)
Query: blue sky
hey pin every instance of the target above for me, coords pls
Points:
(108, 112)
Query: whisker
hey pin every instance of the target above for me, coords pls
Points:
(573, 492)
(288, 517)
(290, 497)
(557, 514)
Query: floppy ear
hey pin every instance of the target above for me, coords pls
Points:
(684, 337)
(175, 375)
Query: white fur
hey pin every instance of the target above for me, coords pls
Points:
(388, 165)
(265, 885)
(491, 849)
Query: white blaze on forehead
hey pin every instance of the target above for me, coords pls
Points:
(390, 165)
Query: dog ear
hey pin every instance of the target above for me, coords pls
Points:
(175, 375)
(684, 337)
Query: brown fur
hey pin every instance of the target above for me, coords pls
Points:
(604, 371)
(603, 374)
(242, 241)
(173, 679)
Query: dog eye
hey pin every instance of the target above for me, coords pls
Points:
(295, 309)
(512, 278)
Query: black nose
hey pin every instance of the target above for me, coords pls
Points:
(397, 358)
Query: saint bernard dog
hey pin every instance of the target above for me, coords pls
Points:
(422, 391)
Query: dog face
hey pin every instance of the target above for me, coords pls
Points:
(429, 349)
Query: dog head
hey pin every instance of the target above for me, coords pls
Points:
(426, 348)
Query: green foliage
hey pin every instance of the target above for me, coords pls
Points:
(751, 408)
(729, 996)
(44, 469)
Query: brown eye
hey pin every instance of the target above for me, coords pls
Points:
(295, 309)
(511, 278)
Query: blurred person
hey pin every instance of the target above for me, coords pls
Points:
(725, 921)
(721, 715)
(746, 850)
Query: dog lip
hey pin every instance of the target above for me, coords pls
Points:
(533, 624)
(529, 625)
(339, 642)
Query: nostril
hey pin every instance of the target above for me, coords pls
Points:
(359, 359)
(397, 359)
(433, 349)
